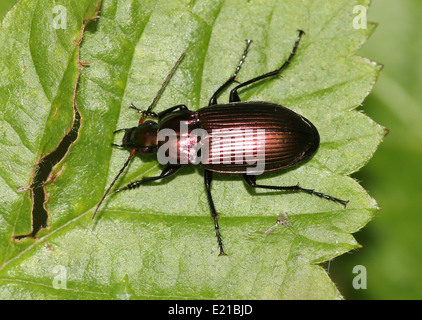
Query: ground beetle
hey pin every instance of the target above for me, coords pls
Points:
(287, 138)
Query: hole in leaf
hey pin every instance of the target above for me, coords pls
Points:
(42, 176)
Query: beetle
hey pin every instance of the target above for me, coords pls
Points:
(286, 139)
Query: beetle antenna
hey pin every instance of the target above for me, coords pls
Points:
(166, 81)
(114, 181)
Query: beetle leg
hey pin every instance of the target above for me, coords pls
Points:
(234, 96)
(251, 180)
(208, 179)
(144, 113)
(169, 110)
(167, 171)
(213, 99)
(232, 79)
(155, 115)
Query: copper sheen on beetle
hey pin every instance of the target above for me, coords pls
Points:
(239, 137)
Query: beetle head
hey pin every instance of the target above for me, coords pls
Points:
(143, 137)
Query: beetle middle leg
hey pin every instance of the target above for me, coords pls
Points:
(232, 79)
(251, 180)
(208, 179)
(234, 96)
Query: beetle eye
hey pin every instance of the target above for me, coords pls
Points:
(149, 122)
(146, 149)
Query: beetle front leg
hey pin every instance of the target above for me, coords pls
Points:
(146, 113)
(251, 180)
(169, 110)
(208, 180)
(143, 112)
(167, 171)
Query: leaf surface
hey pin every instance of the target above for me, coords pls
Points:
(158, 241)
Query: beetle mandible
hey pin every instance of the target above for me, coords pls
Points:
(288, 138)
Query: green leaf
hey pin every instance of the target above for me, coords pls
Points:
(158, 241)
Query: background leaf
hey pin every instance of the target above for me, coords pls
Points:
(392, 242)
(158, 241)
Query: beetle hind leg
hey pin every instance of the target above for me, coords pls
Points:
(251, 180)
